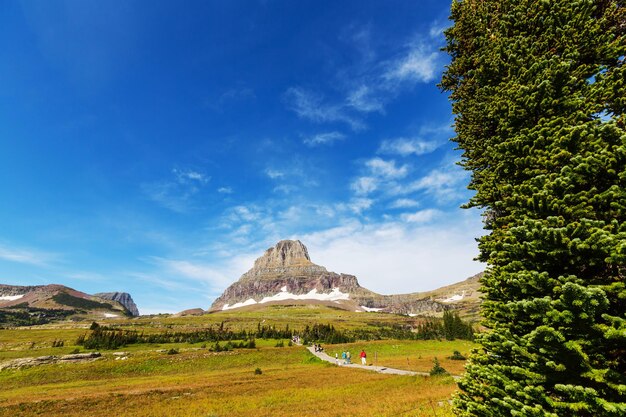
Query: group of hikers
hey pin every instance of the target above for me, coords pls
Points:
(346, 357)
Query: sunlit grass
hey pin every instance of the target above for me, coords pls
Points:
(200, 383)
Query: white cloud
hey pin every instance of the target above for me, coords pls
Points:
(408, 146)
(285, 188)
(364, 185)
(446, 184)
(245, 213)
(422, 216)
(404, 203)
(309, 105)
(273, 173)
(327, 138)
(396, 258)
(437, 29)
(420, 64)
(365, 99)
(386, 169)
(225, 190)
(26, 256)
(185, 176)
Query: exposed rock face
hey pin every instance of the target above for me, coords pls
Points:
(123, 298)
(45, 360)
(285, 271)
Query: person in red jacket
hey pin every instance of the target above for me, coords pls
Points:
(363, 356)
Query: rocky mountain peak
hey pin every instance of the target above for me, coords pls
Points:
(123, 298)
(286, 258)
(285, 274)
(286, 253)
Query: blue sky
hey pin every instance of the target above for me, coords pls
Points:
(158, 148)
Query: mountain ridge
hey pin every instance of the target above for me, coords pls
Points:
(62, 298)
(285, 272)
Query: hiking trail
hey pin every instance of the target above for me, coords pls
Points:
(380, 369)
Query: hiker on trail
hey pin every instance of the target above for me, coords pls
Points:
(348, 357)
(343, 357)
(337, 358)
(363, 356)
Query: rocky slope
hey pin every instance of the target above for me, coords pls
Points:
(286, 274)
(123, 298)
(59, 298)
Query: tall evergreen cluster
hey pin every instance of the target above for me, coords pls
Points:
(539, 91)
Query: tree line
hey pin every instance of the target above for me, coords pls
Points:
(450, 327)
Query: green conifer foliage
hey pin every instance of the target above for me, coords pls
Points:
(539, 92)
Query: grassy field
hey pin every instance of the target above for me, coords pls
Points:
(200, 383)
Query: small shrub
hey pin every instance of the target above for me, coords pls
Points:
(75, 351)
(258, 371)
(280, 344)
(437, 369)
(172, 351)
(290, 344)
(456, 356)
(94, 326)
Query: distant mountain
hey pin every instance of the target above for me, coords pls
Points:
(123, 298)
(61, 301)
(286, 275)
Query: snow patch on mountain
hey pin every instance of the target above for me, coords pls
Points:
(455, 297)
(334, 295)
(11, 297)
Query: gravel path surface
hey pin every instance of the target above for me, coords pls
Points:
(381, 369)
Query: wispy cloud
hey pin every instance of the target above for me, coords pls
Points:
(402, 203)
(274, 173)
(421, 216)
(364, 185)
(311, 106)
(386, 169)
(225, 190)
(366, 99)
(395, 257)
(446, 184)
(176, 193)
(285, 188)
(408, 146)
(26, 256)
(186, 176)
(327, 138)
(419, 64)
(369, 84)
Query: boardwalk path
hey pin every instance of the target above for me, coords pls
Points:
(381, 369)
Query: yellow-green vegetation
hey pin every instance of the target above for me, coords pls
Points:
(147, 381)
(407, 354)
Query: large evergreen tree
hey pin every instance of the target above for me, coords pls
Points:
(539, 91)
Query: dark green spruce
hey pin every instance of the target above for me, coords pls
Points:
(539, 91)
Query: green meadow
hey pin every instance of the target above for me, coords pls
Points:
(188, 379)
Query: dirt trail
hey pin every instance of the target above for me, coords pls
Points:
(381, 369)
